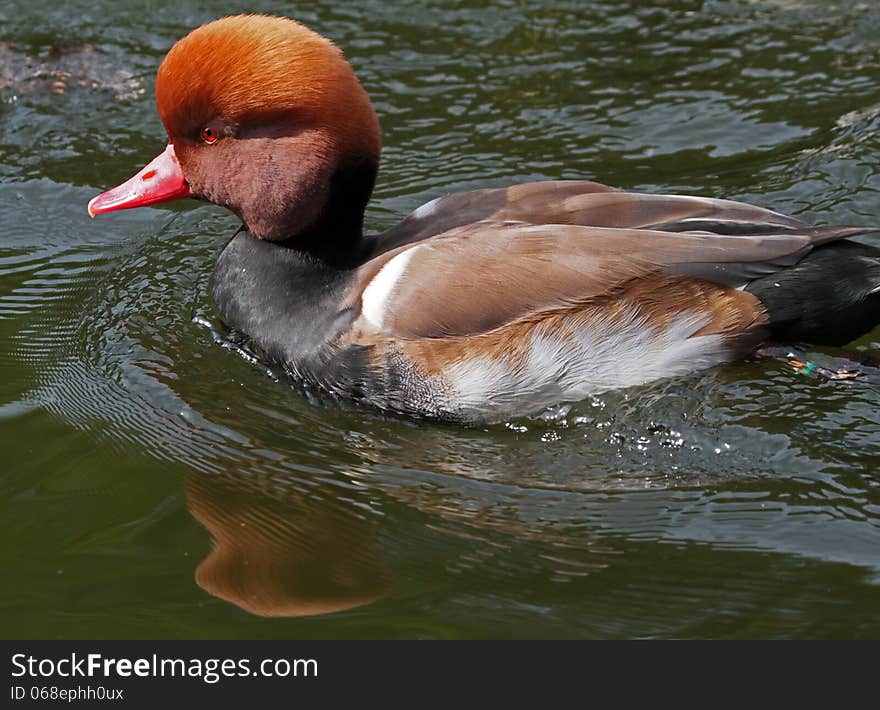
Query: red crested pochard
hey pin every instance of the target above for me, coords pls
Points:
(480, 305)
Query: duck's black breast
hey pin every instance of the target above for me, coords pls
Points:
(287, 301)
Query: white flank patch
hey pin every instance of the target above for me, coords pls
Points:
(610, 355)
(426, 209)
(379, 291)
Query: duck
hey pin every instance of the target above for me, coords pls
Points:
(480, 306)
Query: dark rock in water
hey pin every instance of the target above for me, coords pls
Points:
(63, 68)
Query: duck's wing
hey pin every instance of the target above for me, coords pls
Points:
(582, 203)
(482, 276)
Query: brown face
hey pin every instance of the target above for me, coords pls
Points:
(261, 113)
(275, 177)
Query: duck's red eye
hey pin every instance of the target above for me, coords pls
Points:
(209, 135)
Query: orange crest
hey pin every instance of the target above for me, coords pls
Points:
(248, 68)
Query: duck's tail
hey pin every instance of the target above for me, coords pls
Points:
(830, 297)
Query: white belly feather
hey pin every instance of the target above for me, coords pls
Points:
(607, 355)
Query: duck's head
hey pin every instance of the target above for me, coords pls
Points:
(265, 117)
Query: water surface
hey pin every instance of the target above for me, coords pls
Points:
(158, 484)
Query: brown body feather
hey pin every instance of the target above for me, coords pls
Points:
(735, 315)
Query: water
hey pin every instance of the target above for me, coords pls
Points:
(157, 484)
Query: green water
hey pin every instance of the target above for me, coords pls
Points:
(157, 484)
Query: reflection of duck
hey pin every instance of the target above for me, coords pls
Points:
(280, 552)
(479, 305)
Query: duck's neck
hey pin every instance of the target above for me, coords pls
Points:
(287, 295)
(335, 240)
